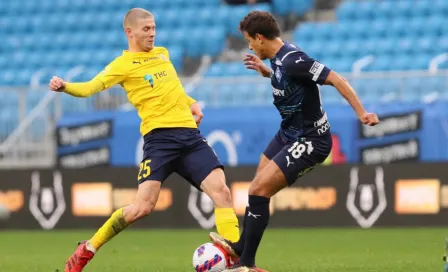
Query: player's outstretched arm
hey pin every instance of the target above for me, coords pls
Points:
(346, 90)
(83, 89)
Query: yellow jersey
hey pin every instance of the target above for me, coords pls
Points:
(152, 86)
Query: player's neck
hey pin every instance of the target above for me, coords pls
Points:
(274, 46)
(135, 49)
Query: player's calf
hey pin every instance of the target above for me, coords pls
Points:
(214, 185)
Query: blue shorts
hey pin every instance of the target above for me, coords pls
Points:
(297, 158)
(180, 150)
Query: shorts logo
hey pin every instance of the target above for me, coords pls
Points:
(366, 201)
(150, 80)
(288, 161)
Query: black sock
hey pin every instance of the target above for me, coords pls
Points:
(257, 220)
(239, 246)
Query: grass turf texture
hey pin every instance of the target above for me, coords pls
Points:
(298, 250)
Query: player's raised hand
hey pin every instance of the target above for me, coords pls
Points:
(197, 113)
(369, 119)
(57, 84)
(253, 62)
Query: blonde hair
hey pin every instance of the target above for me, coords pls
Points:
(133, 15)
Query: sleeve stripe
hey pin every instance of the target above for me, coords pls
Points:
(287, 55)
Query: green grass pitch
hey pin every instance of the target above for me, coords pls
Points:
(282, 250)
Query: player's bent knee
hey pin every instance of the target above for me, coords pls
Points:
(256, 188)
(216, 188)
(222, 197)
(143, 209)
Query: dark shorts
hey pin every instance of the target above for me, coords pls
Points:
(180, 150)
(297, 158)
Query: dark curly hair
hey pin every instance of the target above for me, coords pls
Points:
(260, 22)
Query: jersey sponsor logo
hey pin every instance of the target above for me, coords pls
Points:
(321, 121)
(324, 128)
(161, 74)
(150, 79)
(278, 92)
(316, 69)
(158, 57)
(366, 199)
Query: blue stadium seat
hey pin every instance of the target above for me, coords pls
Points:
(176, 56)
(403, 9)
(420, 62)
(9, 120)
(340, 31)
(301, 7)
(189, 18)
(379, 28)
(281, 7)
(384, 9)
(400, 62)
(396, 28)
(422, 8)
(426, 45)
(216, 69)
(214, 43)
(23, 76)
(329, 95)
(435, 26)
(347, 11)
(414, 27)
(366, 10)
(351, 49)
(173, 18)
(237, 13)
(380, 63)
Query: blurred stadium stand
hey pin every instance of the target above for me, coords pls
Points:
(385, 48)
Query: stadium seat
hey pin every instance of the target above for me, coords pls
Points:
(237, 13)
(347, 11)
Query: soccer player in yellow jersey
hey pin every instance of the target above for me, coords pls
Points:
(172, 141)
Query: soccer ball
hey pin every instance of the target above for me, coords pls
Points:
(209, 258)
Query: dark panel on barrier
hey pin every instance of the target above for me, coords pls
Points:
(392, 124)
(79, 134)
(332, 196)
